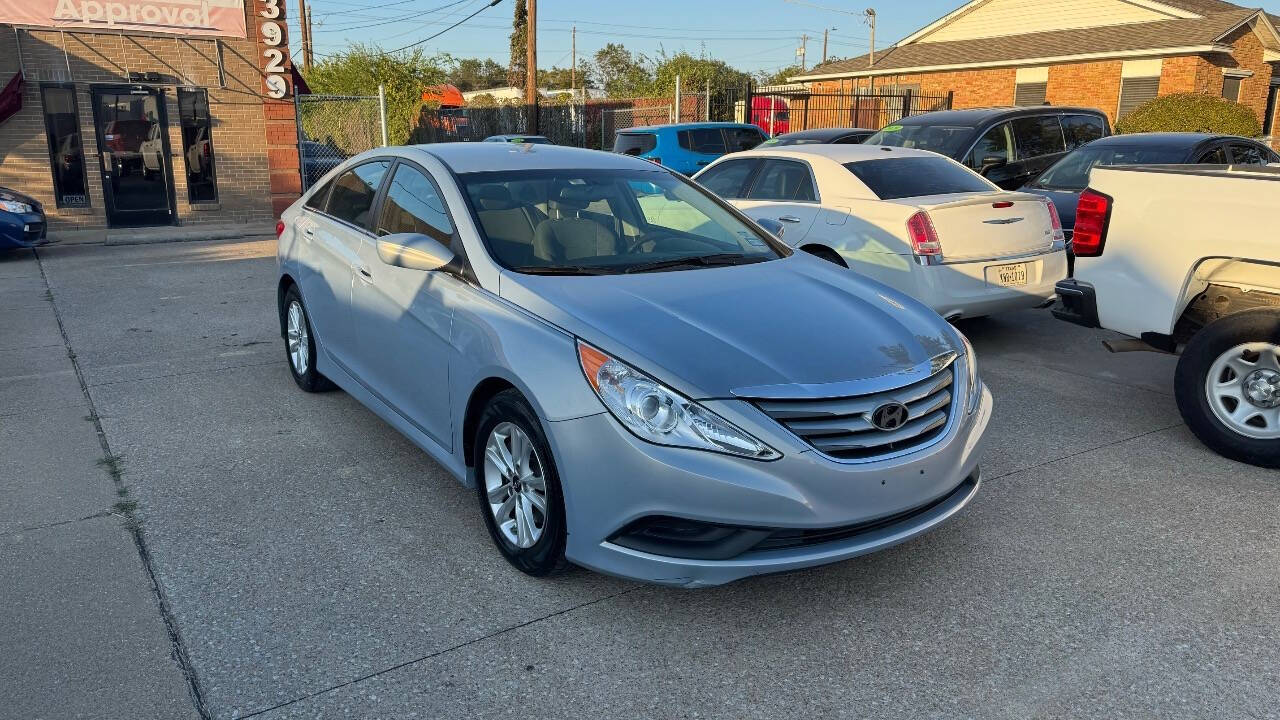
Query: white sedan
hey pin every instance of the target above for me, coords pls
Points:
(914, 220)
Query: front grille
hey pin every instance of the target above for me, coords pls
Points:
(842, 428)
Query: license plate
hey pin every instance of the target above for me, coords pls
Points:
(1008, 275)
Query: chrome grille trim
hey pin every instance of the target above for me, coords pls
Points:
(841, 428)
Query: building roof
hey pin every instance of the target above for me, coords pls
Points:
(1185, 34)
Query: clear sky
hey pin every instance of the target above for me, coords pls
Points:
(748, 34)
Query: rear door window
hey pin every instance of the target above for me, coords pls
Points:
(739, 139)
(353, 193)
(1247, 154)
(729, 178)
(635, 143)
(1080, 129)
(784, 181)
(1038, 136)
(894, 178)
(708, 141)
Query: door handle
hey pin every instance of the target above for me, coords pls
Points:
(309, 231)
(364, 274)
(789, 218)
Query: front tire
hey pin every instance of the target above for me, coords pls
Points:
(1228, 387)
(518, 487)
(300, 344)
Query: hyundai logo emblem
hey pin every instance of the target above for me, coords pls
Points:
(890, 416)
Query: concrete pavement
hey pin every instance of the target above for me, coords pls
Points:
(314, 564)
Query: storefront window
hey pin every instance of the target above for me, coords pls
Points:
(66, 151)
(197, 145)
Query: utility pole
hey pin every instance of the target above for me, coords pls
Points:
(531, 69)
(304, 29)
(804, 41)
(573, 64)
(824, 43)
(870, 19)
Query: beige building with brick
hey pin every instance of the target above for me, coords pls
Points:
(1108, 54)
(147, 113)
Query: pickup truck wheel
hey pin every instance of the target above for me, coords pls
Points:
(1228, 387)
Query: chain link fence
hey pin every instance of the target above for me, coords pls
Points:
(332, 128)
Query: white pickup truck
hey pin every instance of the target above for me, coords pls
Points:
(1186, 259)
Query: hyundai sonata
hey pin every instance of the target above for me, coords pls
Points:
(631, 374)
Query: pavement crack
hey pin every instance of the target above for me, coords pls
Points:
(177, 646)
(444, 651)
(58, 523)
(1082, 452)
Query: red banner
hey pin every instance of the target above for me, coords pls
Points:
(180, 17)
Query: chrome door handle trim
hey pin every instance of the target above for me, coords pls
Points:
(789, 218)
(365, 273)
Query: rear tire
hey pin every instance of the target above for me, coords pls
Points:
(300, 344)
(1228, 387)
(518, 487)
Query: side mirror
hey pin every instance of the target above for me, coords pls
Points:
(991, 163)
(413, 251)
(773, 226)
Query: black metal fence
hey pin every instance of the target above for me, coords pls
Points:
(594, 123)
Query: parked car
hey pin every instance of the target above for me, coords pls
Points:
(1066, 179)
(1008, 146)
(771, 114)
(1153, 264)
(918, 222)
(687, 147)
(318, 158)
(821, 136)
(22, 221)
(530, 139)
(683, 406)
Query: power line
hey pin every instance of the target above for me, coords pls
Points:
(398, 18)
(433, 37)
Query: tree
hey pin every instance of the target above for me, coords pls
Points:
(518, 67)
(359, 71)
(779, 76)
(1191, 112)
(622, 73)
(477, 74)
(558, 78)
(695, 73)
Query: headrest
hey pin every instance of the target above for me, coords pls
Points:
(494, 197)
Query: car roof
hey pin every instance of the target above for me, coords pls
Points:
(687, 126)
(465, 157)
(838, 153)
(1161, 139)
(823, 133)
(512, 136)
(974, 117)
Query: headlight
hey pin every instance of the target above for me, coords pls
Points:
(971, 364)
(661, 415)
(14, 206)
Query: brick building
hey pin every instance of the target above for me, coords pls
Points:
(148, 112)
(1109, 54)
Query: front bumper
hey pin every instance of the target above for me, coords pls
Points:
(612, 479)
(24, 230)
(1079, 303)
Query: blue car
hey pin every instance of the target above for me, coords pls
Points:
(22, 223)
(687, 147)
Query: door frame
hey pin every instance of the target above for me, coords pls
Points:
(162, 116)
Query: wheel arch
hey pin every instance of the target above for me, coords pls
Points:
(481, 394)
(282, 287)
(1218, 287)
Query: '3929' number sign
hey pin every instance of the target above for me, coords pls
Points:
(274, 49)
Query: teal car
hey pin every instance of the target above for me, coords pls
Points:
(687, 147)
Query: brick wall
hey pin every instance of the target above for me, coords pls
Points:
(236, 106)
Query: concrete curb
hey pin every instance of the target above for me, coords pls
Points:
(146, 236)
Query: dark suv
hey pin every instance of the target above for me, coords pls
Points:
(1008, 146)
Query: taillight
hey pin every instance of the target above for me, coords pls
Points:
(924, 238)
(1092, 215)
(279, 228)
(1055, 220)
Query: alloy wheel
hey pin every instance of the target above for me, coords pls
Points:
(514, 485)
(1243, 388)
(299, 338)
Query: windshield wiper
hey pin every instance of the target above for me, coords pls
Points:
(716, 260)
(562, 270)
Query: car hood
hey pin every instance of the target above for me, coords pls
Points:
(7, 194)
(1064, 200)
(795, 327)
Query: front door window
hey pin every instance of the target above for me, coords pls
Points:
(134, 156)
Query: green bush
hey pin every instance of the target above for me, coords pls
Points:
(1191, 112)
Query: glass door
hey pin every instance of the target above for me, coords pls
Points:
(133, 149)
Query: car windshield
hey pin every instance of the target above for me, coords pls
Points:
(595, 222)
(947, 140)
(1072, 171)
